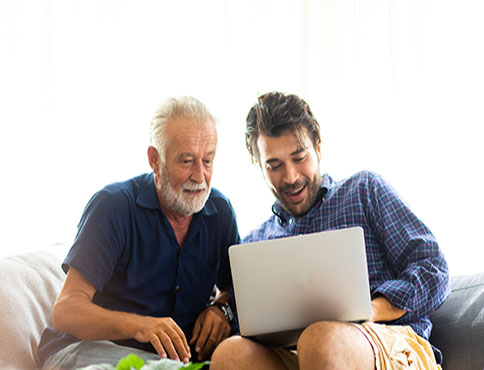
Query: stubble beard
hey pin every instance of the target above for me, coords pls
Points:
(313, 187)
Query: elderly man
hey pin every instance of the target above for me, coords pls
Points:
(147, 256)
(408, 274)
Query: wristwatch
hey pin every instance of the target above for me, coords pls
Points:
(225, 307)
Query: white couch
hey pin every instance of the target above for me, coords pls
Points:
(30, 282)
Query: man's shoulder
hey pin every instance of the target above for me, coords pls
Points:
(362, 177)
(118, 195)
(134, 182)
(127, 187)
(360, 180)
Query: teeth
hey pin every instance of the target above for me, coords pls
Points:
(297, 190)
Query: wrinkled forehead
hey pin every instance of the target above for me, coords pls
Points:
(197, 137)
(182, 126)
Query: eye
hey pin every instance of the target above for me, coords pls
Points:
(299, 159)
(273, 166)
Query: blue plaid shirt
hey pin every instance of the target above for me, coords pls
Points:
(405, 264)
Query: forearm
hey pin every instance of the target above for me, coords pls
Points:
(78, 316)
(418, 289)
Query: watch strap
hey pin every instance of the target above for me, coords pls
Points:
(225, 308)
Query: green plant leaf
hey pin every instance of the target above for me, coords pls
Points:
(130, 361)
(194, 366)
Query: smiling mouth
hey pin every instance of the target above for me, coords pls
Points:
(295, 195)
(297, 191)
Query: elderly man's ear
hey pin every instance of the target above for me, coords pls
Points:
(154, 159)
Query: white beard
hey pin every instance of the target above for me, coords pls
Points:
(182, 203)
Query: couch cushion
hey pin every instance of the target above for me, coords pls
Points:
(29, 284)
(459, 324)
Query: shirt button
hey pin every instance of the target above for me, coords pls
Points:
(177, 288)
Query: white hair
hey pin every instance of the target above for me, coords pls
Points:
(185, 107)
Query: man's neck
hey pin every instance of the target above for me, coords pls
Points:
(179, 223)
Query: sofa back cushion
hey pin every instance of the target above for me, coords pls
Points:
(29, 284)
(459, 324)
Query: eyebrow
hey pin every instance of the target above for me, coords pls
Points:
(185, 154)
(272, 160)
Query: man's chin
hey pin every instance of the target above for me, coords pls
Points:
(295, 210)
(195, 203)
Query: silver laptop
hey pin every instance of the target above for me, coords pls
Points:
(283, 285)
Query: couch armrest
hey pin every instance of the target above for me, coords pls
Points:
(459, 324)
(29, 284)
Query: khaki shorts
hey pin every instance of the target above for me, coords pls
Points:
(395, 347)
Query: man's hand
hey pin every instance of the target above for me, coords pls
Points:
(210, 329)
(166, 337)
(383, 310)
(74, 313)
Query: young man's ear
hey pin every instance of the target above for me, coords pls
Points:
(318, 151)
(154, 159)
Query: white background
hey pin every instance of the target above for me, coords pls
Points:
(397, 86)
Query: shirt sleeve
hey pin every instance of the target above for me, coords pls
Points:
(99, 240)
(421, 281)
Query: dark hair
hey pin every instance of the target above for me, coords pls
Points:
(275, 114)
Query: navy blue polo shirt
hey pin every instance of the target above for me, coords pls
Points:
(127, 249)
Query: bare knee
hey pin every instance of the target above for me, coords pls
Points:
(232, 353)
(237, 353)
(334, 345)
(318, 337)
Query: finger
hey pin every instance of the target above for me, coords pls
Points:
(220, 336)
(155, 341)
(210, 345)
(177, 335)
(196, 331)
(224, 331)
(180, 345)
(213, 339)
(204, 334)
(169, 347)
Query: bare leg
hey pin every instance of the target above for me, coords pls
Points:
(334, 345)
(237, 353)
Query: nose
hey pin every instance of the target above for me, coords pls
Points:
(198, 172)
(290, 174)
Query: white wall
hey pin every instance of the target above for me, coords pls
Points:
(397, 87)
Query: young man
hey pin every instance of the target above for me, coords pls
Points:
(147, 256)
(407, 272)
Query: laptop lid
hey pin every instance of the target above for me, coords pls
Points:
(283, 285)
